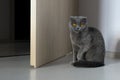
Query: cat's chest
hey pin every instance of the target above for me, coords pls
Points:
(80, 39)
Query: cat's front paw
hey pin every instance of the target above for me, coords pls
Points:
(73, 62)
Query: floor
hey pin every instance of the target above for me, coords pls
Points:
(15, 48)
(17, 68)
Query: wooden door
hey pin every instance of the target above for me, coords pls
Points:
(49, 29)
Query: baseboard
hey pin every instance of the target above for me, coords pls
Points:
(112, 54)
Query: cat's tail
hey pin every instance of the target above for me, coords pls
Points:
(88, 64)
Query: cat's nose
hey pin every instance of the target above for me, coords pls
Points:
(78, 28)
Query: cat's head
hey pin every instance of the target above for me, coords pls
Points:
(78, 23)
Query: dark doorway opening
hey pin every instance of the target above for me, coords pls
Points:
(14, 28)
(22, 20)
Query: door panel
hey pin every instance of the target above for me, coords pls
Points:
(49, 29)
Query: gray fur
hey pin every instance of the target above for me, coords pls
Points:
(87, 42)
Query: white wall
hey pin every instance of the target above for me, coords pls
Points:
(5, 20)
(105, 15)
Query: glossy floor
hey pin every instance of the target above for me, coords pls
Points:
(17, 68)
(14, 48)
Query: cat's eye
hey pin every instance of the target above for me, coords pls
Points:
(74, 25)
(82, 24)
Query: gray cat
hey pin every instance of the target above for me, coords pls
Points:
(87, 42)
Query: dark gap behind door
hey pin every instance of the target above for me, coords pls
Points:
(22, 20)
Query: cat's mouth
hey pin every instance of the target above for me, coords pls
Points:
(77, 31)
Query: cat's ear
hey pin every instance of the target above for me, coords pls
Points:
(71, 18)
(84, 20)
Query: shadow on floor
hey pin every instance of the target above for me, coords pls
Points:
(61, 61)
